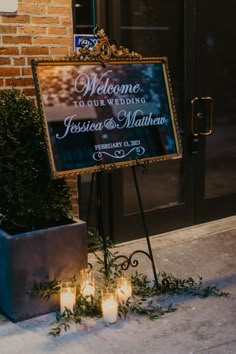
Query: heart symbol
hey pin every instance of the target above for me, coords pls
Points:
(119, 153)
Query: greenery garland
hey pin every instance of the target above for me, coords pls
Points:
(142, 301)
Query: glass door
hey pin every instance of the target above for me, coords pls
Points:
(216, 71)
(201, 186)
(154, 29)
(198, 38)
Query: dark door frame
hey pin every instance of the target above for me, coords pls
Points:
(181, 215)
(195, 208)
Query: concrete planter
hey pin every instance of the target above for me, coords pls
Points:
(25, 258)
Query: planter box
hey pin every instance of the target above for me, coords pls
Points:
(25, 258)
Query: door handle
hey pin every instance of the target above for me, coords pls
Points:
(202, 116)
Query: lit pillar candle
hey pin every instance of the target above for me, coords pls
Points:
(88, 289)
(109, 306)
(124, 288)
(87, 282)
(67, 297)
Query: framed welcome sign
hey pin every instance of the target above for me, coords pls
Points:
(100, 115)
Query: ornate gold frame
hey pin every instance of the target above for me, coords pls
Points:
(107, 51)
(104, 50)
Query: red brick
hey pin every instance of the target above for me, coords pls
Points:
(29, 91)
(57, 31)
(32, 30)
(35, 57)
(53, 40)
(9, 71)
(71, 51)
(59, 51)
(75, 211)
(7, 29)
(69, 31)
(31, 9)
(19, 82)
(17, 39)
(66, 21)
(46, 20)
(5, 61)
(26, 71)
(59, 10)
(34, 51)
(39, 1)
(19, 61)
(71, 182)
(16, 19)
(72, 179)
(62, 2)
(9, 51)
(2, 82)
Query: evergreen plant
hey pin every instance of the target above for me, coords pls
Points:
(30, 198)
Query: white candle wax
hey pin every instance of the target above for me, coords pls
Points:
(110, 310)
(124, 292)
(88, 290)
(124, 288)
(87, 282)
(67, 299)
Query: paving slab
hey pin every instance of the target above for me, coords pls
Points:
(198, 326)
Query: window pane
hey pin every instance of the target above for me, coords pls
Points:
(221, 86)
(148, 27)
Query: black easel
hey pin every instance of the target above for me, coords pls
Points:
(144, 224)
(101, 216)
(127, 261)
(90, 198)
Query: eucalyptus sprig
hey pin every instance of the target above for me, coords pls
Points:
(145, 293)
(46, 288)
(63, 321)
(152, 311)
(142, 287)
(109, 271)
(124, 308)
(209, 291)
(88, 306)
(169, 284)
(144, 308)
(172, 285)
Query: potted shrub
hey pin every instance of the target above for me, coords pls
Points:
(37, 235)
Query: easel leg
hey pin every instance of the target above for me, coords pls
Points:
(90, 198)
(101, 228)
(144, 224)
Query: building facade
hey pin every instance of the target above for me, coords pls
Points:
(38, 29)
(198, 38)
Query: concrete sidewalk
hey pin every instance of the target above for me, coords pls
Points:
(198, 326)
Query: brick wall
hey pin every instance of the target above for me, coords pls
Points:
(41, 28)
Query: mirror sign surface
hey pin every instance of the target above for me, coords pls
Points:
(100, 116)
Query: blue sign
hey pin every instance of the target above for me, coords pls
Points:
(81, 40)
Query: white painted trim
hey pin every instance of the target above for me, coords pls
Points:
(8, 6)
